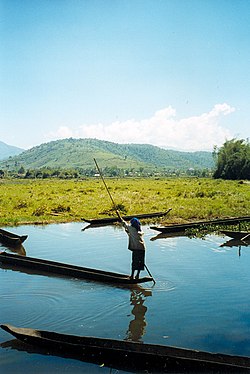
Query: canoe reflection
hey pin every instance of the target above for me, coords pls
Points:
(87, 356)
(235, 243)
(169, 235)
(18, 249)
(137, 325)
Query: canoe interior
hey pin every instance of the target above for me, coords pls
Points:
(68, 270)
(140, 354)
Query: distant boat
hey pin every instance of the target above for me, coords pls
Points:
(135, 356)
(9, 238)
(109, 220)
(197, 224)
(44, 267)
(239, 235)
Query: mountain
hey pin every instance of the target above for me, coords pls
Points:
(8, 150)
(79, 153)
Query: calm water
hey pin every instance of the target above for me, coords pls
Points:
(201, 298)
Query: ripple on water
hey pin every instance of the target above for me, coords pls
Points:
(31, 307)
(163, 286)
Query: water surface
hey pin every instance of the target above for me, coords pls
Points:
(201, 299)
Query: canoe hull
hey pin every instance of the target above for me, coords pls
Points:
(57, 268)
(11, 239)
(110, 220)
(193, 225)
(239, 235)
(138, 356)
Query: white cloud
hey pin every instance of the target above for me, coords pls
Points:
(199, 132)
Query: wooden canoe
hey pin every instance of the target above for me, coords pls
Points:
(235, 243)
(139, 356)
(44, 267)
(239, 235)
(192, 225)
(110, 220)
(9, 238)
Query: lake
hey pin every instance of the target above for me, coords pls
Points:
(201, 299)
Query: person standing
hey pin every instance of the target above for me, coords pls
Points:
(136, 244)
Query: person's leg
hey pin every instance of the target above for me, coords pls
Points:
(138, 274)
(133, 265)
(139, 262)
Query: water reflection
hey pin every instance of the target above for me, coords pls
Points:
(168, 235)
(137, 326)
(92, 225)
(18, 249)
(205, 281)
(108, 363)
(236, 243)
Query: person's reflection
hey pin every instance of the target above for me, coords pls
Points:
(137, 326)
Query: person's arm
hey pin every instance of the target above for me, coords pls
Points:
(124, 223)
(119, 216)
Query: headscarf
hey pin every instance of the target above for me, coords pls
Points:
(135, 223)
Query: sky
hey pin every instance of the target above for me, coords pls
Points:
(172, 73)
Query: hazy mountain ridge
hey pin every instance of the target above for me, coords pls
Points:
(7, 150)
(79, 153)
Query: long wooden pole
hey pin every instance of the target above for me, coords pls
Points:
(117, 212)
(149, 273)
(245, 237)
(114, 204)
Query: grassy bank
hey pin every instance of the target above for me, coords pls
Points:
(47, 201)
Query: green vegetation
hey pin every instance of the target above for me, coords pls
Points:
(233, 160)
(204, 230)
(76, 155)
(53, 200)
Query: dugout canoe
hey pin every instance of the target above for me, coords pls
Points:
(110, 220)
(45, 267)
(9, 238)
(235, 243)
(139, 356)
(239, 235)
(198, 224)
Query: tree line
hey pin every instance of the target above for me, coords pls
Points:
(111, 172)
(232, 162)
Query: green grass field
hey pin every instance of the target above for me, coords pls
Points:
(47, 201)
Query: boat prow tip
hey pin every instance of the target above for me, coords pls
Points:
(5, 327)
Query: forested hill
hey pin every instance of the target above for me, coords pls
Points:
(79, 153)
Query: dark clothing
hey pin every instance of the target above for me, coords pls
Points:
(138, 260)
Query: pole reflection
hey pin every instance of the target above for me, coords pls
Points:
(235, 243)
(137, 326)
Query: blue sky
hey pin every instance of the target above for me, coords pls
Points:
(173, 73)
